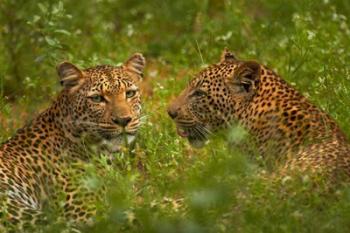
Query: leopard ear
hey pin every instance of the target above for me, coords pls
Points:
(248, 75)
(227, 55)
(70, 75)
(135, 66)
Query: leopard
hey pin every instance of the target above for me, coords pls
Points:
(98, 111)
(281, 123)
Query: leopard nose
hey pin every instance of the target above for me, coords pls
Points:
(122, 121)
(172, 113)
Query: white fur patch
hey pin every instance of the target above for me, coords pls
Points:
(115, 144)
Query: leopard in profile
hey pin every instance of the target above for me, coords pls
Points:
(283, 123)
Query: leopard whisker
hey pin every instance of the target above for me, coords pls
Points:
(143, 118)
(205, 129)
(199, 133)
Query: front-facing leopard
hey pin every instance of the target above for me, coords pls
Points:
(98, 109)
(283, 124)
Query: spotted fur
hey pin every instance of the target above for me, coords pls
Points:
(98, 108)
(283, 123)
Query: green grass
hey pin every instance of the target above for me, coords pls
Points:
(164, 185)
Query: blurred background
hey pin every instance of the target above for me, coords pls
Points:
(166, 186)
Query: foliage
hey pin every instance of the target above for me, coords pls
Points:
(163, 185)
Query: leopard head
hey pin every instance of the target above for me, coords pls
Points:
(102, 104)
(214, 98)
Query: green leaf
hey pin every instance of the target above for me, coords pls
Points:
(36, 18)
(51, 42)
(62, 31)
(42, 7)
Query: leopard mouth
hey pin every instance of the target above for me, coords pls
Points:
(182, 132)
(196, 137)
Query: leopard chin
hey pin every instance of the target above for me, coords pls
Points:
(115, 145)
(197, 143)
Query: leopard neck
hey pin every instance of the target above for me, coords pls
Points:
(54, 130)
(282, 120)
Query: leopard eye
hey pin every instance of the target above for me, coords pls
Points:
(97, 98)
(130, 93)
(199, 93)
